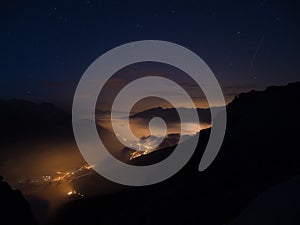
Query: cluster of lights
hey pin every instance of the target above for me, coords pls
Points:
(67, 176)
(136, 154)
(141, 148)
(74, 193)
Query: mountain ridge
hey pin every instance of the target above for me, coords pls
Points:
(258, 152)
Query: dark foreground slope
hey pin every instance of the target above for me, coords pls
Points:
(14, 209)
(260, 150)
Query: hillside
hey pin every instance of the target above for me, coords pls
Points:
(14, 208)
(259, 151)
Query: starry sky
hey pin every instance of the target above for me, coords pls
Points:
(46, 46)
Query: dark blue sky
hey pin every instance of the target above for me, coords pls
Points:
(46, 46)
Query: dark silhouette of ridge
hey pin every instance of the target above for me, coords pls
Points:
(13, 206)
(260, 150)
(278, 205)
(21, 120)
(170, 114)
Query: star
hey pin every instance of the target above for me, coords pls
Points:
(52, 11)
(139, 26)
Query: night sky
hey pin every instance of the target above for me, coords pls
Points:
(46, 46)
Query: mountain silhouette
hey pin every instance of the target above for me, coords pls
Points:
(22, 119)
(278, 205)
(260, 150)
(13, 206)
(170, 115)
